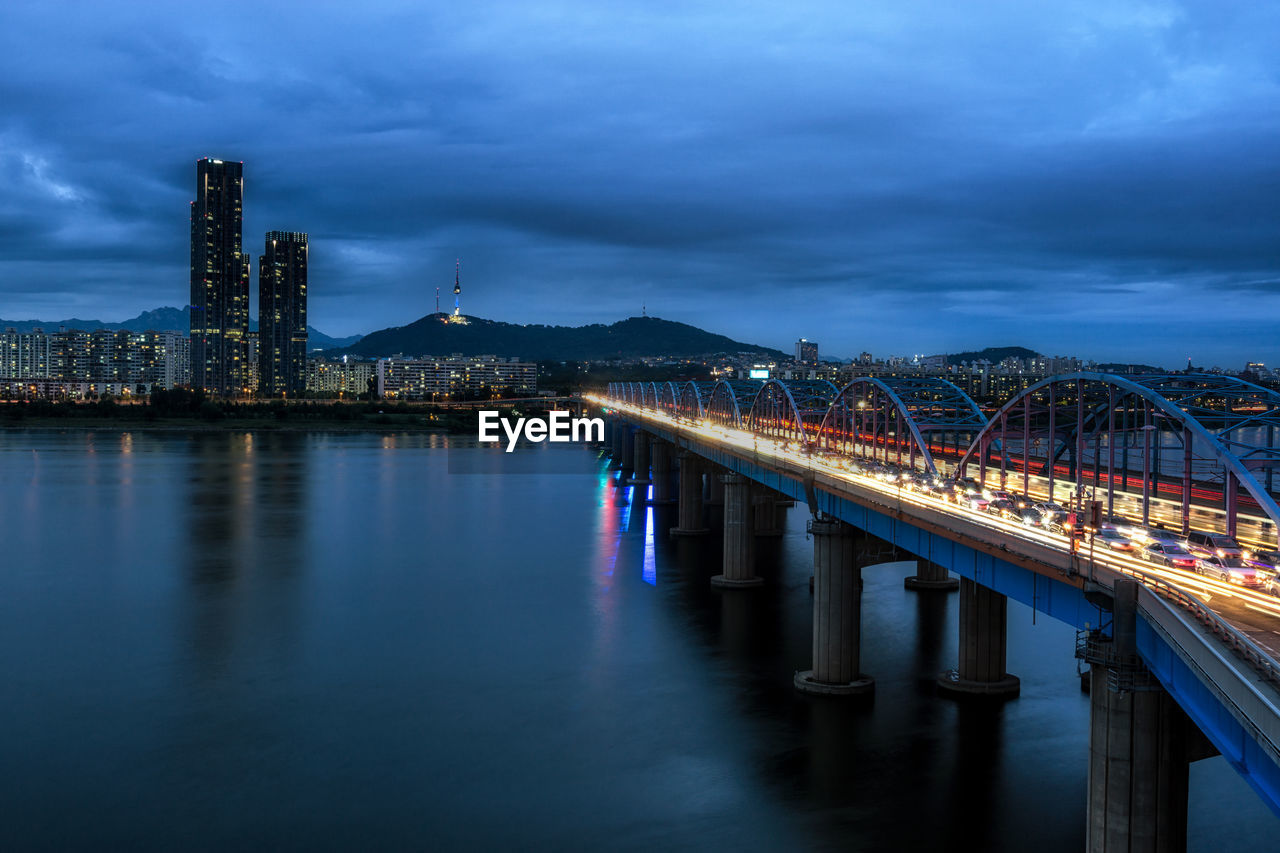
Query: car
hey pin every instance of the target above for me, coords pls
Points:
(1228, 570)
(1215, 544)
(1002, 507)
(974, 500)
(1031, 517)
(1114, 540)
(1048, 507)
(1266, 561)
(1061, 522)
(1152, 535)
(1171, 555)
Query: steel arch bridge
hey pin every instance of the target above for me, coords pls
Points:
(694, 399)
(725, 404)
(1156, 433)
(792, 410)
(871, 414)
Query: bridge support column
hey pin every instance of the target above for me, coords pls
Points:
(837, 614)
(690, 494)
(982, 646)
(929, 575)
(715, 490)
(739, 538)
(628, 448)
(1141, 744)
(619, 434)
(764, 506)
(640, 460)
(660, 451)
(1138, 770)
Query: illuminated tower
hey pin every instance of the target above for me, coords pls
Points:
(457, 286)
(282, 315)
(219, 279)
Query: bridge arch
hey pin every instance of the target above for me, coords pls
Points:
(724, 407)
(873, 415)
(790, 409)
(694, 398)
(1220, 432)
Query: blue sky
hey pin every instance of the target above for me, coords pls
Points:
(1095, 178)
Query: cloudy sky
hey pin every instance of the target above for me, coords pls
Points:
(1094, 177)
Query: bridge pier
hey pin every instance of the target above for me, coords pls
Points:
(764, 506)
(715, 490)
(983, 635)
(640, 460)
(690, 497)
(660, 453)
(837, 614)
(628, 448)
(929, 575)
(739, 539)
(618, 431)
(1141, 744)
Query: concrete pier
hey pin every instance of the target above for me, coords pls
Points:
(837, 614)
(640, 460)
(660, 459)
(715, 490)
(981, 671)
(690, 497)
(764, 506)
(616, 438)
(739, 536)
(628, 448)
(930, 575)
(1141, 744)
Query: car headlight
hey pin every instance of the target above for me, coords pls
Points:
(1220, 553)
(1247, 555)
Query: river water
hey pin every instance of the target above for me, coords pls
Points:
(310, 641)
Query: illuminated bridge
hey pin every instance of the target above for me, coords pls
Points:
(1183, 664)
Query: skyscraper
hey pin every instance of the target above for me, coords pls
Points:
(219, 279)
(282, 315)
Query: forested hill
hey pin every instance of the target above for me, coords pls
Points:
(637, 336)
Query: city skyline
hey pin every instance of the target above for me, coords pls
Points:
(1095, 180)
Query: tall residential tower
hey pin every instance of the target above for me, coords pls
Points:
(219, 279)
(282, 315)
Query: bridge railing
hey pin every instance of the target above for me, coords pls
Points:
(1233, 638)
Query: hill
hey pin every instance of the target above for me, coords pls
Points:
(992, 354)
(164, 319)
(637, 336)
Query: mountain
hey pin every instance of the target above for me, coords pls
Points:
(637, 336)
(992, 354)
(162, 320)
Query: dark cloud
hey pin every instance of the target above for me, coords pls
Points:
(1079, 179)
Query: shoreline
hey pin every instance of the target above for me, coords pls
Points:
(87, 425)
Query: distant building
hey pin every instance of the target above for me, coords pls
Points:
(219, 279)
(807, 352)
(478, 376)
(340, 377)
(282, 315)
(71, 363)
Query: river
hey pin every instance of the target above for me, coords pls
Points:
(311, 641)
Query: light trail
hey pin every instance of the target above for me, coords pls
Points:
(782, 454)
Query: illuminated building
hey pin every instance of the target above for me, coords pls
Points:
(478, 376)
(219, 279)
(343, 377)
(75, 363)
(807, 352)
(282, 315)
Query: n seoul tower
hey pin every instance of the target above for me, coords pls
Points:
(457, 286)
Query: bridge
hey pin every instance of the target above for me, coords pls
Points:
(1183, 665)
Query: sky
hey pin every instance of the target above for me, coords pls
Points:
(1097, 178)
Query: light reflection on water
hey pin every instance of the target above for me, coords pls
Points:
(329, 641)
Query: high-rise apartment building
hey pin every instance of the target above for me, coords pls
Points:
(219, 279)
(282, 315)
(807, 352)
